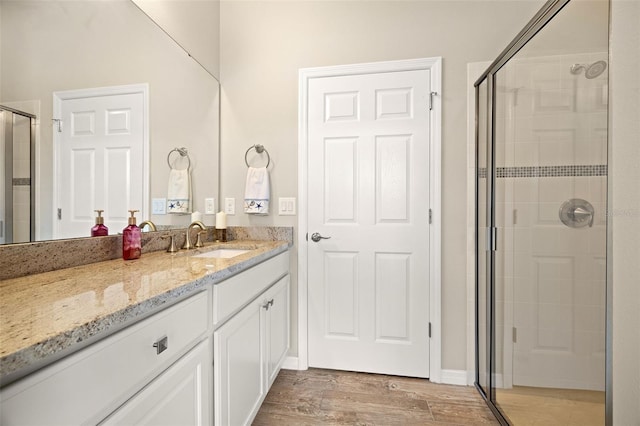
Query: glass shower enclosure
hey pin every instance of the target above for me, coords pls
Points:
(17, 176)
(541, 181)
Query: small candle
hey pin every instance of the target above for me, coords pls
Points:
(221, 220)
(196, 217)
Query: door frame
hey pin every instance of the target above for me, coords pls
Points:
(434, 65)
(59, 97)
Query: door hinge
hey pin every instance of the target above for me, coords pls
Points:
(430, 216)
(429, 330)
(59, 214)
(514, 335)
(58, 122)
(492, 239)
(431, 95)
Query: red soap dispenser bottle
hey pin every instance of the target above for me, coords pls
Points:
(131, 239)
(99, 230)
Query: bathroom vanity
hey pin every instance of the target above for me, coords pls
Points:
(167, 339)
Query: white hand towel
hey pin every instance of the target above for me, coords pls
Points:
(179, 192)
(256, 191)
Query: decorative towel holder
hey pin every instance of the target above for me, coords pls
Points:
(183, 153)
(259, 149)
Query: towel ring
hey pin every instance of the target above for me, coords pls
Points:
(183, 153)
(259, 149)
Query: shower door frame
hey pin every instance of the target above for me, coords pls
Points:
(539, 21)
(8, 172)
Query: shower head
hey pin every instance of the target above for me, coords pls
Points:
(590, 71)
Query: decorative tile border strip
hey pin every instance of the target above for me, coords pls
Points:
(21, 181)
(552, 171)
(547, 171)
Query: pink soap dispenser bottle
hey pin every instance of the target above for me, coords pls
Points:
(131, 239)
(99, 230)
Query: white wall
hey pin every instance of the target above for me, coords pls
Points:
(624, 218)
(63, 45)
(194, 24)
(264, 43)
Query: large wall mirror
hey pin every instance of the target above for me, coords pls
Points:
(53, 48)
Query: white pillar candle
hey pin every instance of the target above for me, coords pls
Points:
(221, 220)
(196, 217)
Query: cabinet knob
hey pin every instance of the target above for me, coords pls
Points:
(161, 345)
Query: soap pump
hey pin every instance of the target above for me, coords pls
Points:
(131, 239)
(99, 230)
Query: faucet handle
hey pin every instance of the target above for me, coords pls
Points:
(187, 242)
(199, 242)
(172, 243)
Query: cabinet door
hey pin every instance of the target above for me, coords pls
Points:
(179, 396)
(238, 368)
(277, 328)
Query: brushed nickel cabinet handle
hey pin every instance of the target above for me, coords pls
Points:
(161, 345)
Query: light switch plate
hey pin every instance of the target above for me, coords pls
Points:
(230, 205)
(159, 206)
(287, 206)
(209, 206)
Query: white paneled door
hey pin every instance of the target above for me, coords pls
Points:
(368, 180)
(100, 161)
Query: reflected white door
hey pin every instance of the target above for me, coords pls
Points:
(100, 161)
(2, 179)
(368, 285)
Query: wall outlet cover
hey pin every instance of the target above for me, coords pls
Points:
(209, 206)
(287, 206)
(159, 206)
(230, 205)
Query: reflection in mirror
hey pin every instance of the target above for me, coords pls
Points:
(62, 46)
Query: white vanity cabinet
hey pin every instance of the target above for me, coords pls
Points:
(179, 396)
(124, 378)
(252, 341)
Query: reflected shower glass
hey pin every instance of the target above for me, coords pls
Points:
(481, 240)
(550, 129)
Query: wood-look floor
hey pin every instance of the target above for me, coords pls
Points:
(328, 397)
(529, 406)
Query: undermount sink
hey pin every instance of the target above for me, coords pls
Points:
(222, 253)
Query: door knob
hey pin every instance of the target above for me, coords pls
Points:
(315, 237)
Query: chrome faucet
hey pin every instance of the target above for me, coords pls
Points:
(187, 241)
(152, 225)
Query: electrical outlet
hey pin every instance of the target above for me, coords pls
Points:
(287, 206)
(159, 206)
(230, 205)
(209, 206)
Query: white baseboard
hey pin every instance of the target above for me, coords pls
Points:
(449, 377)
(454, 377)
(291, 363)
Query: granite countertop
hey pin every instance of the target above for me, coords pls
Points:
(46, 316)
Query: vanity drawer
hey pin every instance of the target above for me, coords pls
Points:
(231, 295)
(88, 385)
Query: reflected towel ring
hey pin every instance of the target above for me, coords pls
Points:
(183, 153)
(259, 149)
